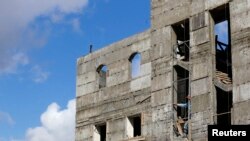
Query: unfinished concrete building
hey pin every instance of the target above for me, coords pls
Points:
(180, 55)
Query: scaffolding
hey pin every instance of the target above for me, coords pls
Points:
(222, 78)
(181, 79)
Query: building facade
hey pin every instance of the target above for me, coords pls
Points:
(181, 56)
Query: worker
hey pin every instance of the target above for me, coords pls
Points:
(185, 105)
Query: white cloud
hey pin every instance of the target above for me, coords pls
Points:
(22, 23)
(6, 118)
(10, 61)
(57, 124)
(76, 25)
(38, 74)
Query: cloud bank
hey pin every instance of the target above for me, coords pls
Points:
(56, 124)
(26, 23)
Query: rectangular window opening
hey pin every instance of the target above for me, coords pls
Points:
(221, 17)
(134, 126)
(224, 105)
(181, 99)
(181, 48)
(100, 133)
(181, 89)
(103, 70)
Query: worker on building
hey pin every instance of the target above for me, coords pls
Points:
(185, 105)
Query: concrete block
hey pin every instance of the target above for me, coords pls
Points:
(85, 114)
(161, 97)
(86, 67)
(199, 36)
(171, 15)
(200, 86)
(86, 89)
(237, 24)
(199, 70)
(161, 129)
(141, 46)
(241, 74)
(161, 66)
(211, 4)
(86, 78)
(162, 113)
(241, 93)
(117, 125)
(161, 81)
(156, 10)
(84, 133)
(117, 78)
(117, 129)
(146, 118)
(203, 101)
(140, 83)
(145, 57)
(198, 21)
(161, 43)
(199, 122)
(240, 114)
(118, 66)
(116, 90)
(168, 4)
(159, 50)
(114, 56)
(197, 6)
(85, 100)
(145, 69)
(241, 55)
(201, 50)
(142, 96)
(237, 7)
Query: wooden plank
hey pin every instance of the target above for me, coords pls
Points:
(178, 125)
(226, 82)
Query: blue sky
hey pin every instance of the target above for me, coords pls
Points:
(222, 31)
(39, 44)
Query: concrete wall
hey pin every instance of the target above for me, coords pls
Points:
(240, 32)
(123, 95)
(151, 94)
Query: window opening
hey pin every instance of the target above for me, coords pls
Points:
(224, 105)
(181, 48)
(100, 133)
(222, 39)
(135, 60)
(181, 100)
(134, 126)
(102, 72)
(221, 18)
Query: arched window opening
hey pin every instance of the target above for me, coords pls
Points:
(102, 71)
(135, 62)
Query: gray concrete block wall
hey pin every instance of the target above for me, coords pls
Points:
(123, 96)
(151, 93)
(168, 12)
(240, 34)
